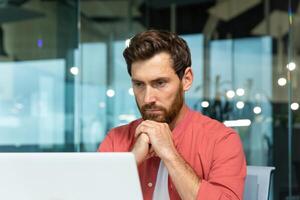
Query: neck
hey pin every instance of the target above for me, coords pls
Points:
(179, 117)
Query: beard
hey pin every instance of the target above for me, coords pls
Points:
(168, 114)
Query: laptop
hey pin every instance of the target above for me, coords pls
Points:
(69, 176)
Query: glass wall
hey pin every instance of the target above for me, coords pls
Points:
(64, 82)
(38, 41)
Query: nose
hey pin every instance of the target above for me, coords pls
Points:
(149, 95)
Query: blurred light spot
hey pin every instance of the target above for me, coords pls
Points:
(74, 70)
(40, 43)
(230, 94)
(257, 110)
(110, 93)
(130, 91)
(240, 105)
(291, 66)
(101, 104)
(237, 123)
(258, 96)
(294, 106)
(127, 43)
(204, 104)
(240, 91)
(281, 81)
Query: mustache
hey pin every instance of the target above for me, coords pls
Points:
(151, 106)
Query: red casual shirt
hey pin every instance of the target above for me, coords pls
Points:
(214, 152)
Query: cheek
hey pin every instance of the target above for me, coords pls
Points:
(138, 99)
(168, 97)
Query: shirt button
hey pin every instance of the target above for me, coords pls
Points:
(150, 184)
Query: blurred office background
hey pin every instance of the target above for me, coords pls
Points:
(64, 84)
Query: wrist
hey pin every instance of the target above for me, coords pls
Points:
(171, 156)
(136, 156)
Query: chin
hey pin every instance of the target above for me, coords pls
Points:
(155, 118)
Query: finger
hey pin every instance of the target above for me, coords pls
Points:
(151, 150)
(139, 129)
(157, 126)
(151, 126)
(138, 134)
(154, 123)
(153, 154)
(150, 155)
(144, 128)
(144, 137)
(151, 123)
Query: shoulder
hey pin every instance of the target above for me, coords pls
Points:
(221, 141)
(218, 142)
(211, 128)
(119, 139)
(125, 127)
(124, 131)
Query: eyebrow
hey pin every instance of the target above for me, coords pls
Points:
(135, 80)
(157, 79)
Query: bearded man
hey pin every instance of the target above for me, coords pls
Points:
(180, 153)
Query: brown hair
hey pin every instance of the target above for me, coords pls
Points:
(146, 44)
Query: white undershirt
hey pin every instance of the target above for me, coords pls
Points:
(161, 191)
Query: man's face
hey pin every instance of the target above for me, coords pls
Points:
(158, 90)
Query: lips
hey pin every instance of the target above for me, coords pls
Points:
(153, 111)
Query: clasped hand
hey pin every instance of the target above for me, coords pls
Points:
(153, 138)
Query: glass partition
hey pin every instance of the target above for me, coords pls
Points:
(38, 43)
(64, 82)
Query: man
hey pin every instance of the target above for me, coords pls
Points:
(180, 153)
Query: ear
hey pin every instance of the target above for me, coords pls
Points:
(187, 79)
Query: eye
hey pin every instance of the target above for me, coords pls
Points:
(137, 84)
(160, 83)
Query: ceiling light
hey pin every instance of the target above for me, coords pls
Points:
(230, 94)
(240, 105)
(291, 66)
(204, 104)
(281, 81)
(237, 123)
(257, 110)
(240, 91)
(74, 70)
(294, 106)
(110, 93)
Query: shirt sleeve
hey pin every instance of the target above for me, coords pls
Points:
(107, 144)
(228, 171)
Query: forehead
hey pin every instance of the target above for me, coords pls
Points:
(160, 65)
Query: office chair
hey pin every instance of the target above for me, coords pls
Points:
(257, 183)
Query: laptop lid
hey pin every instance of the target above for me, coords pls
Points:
(69, 176)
